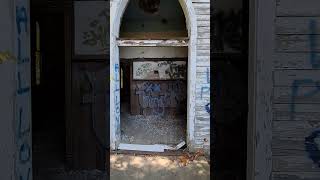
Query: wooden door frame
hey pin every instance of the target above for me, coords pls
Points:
(260, 83)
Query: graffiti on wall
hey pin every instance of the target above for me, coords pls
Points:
(315, 63)
(117, 95)
(311, 145)
(157, 96)
(205, 89)
(98, 32)
(91, 28)
(161, 70)
(23, 101)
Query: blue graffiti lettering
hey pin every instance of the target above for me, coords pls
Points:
(159, 96)
(22, 132)
(312, 147)
(204, 90)
(208, 76)
(208, 108)
(21, 90)
(24, 153)
(28, 175)
(21, 17)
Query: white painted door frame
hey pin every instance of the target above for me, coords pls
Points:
(261, 55)
(116, 12)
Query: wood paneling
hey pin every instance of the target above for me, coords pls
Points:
(297, 8)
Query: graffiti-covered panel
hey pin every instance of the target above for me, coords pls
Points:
(158, 97)
(159, 70)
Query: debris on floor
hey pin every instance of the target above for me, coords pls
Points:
(148, 130)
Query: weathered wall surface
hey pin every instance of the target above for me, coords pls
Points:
(7, 82)
(296, 92)
(202, 121)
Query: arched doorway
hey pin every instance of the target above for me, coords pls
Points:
(117, 11)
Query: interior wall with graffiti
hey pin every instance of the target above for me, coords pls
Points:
(158, 87)
(296, 110)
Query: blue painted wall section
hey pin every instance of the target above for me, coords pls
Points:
(205, 89)
(310, 144)
(23, 93)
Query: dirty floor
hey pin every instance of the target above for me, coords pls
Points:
(139, 129)
(150, 167)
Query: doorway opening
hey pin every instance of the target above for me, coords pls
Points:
(153, 76)
(153, 111)
(48, 90)
(69, 91)
(230, 63)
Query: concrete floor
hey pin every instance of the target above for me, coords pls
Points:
(138, 129)
(124, 167)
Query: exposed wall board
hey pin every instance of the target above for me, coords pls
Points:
(297, 25)
(294, 129)
(297, 8)
(203, 61)
(296, 175)
(288, 77)
(294, 61)
(296, 112)
(297, 43)
(288, 95)
(293, 164)
(283, 146)
(203, 29)
(296, 116)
